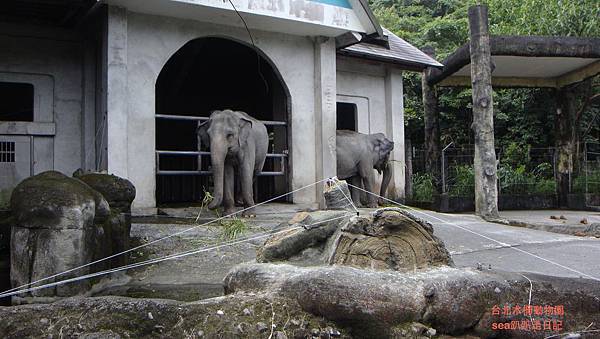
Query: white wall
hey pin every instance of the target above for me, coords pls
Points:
(139, 49)
(377, 91)
(52, 60)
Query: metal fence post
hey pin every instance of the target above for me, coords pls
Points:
(444, 167)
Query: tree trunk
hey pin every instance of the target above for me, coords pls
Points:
(565, 142)
(486, 187)
(432, 124)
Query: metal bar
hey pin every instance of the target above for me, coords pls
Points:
(195, 118)
(210, 172)
(184, 153)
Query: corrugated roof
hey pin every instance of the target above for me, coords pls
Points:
(399, 52)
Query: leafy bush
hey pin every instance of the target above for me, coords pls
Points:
(423, 187)
(464, 181)
(593, 182)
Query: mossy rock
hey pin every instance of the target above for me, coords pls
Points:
(54, 200)
(117, 191)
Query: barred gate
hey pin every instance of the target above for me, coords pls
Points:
(195, 167)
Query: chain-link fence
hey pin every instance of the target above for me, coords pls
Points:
(586, 177)
(522, 170)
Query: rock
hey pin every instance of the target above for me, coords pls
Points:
(389, 239)
(247, 312)
(280, 335)
(262, 327)
(128, 318)
(56, 228)
(219, 312)
(337, 195)
(314, 229)
(117, 191)
(379, 300)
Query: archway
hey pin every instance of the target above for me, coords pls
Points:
(208, 74)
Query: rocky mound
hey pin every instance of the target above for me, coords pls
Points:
(388, 238)
(60, 223)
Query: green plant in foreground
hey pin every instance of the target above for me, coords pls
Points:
(231, 227)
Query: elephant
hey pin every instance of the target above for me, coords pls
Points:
(357, 155)
(238, 148)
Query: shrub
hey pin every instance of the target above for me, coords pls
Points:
(464, 181)
(423, 187)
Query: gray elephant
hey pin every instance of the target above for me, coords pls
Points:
(357, 155)
(238, 147)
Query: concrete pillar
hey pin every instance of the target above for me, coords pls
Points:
(394, 116)
(325, 107)
(116, 91)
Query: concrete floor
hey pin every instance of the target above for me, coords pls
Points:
(469, 240)
(516, 249)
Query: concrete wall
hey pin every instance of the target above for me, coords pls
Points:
(52, 60)
(138, 47)
(377, 91)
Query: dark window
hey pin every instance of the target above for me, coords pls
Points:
(16, 101)
(346, 116)
(7, 151)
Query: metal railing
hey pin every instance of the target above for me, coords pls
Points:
(199, 154)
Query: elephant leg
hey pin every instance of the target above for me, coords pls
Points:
(355, 192)
(247, 178)
(228, 191)
(369, 185)
(239, 200)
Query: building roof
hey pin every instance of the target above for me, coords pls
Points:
(394, 51)
(526, 61)
(62, 13)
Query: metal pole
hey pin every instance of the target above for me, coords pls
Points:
(444, 167)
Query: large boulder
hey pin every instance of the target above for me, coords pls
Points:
(119, 192)
(388, 238)
(55, 228)
(384, 304)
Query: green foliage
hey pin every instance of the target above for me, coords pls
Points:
(464, 181)
(521, 114)
(423, 187)
(593, 182)
(516, 154)
(232, 227)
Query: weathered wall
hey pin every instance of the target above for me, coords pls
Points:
(138, 47)
(52, 60)
(378, 94)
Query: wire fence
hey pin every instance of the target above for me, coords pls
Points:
(521, 171)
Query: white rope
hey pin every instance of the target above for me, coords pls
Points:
(483, 236)
(161, 259)
(160, 239)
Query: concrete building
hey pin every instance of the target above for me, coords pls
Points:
(120, 85)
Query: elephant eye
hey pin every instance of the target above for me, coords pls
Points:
(230, 135)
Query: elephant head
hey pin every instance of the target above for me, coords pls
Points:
(226, 133)
(382, 147)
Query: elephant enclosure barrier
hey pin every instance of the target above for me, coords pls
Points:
(195, 165)
(528, 174)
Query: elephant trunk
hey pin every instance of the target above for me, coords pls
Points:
(387, 176)
(218, 153)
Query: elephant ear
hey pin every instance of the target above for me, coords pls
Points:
(202, 132)
(382, 146)
(245, 127)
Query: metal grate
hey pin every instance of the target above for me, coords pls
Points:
(7, 151)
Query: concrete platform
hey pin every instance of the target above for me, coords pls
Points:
(471, 242)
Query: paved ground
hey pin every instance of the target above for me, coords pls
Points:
(518, 246)
(468, 239)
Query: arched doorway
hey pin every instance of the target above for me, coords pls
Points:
(208, 74)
